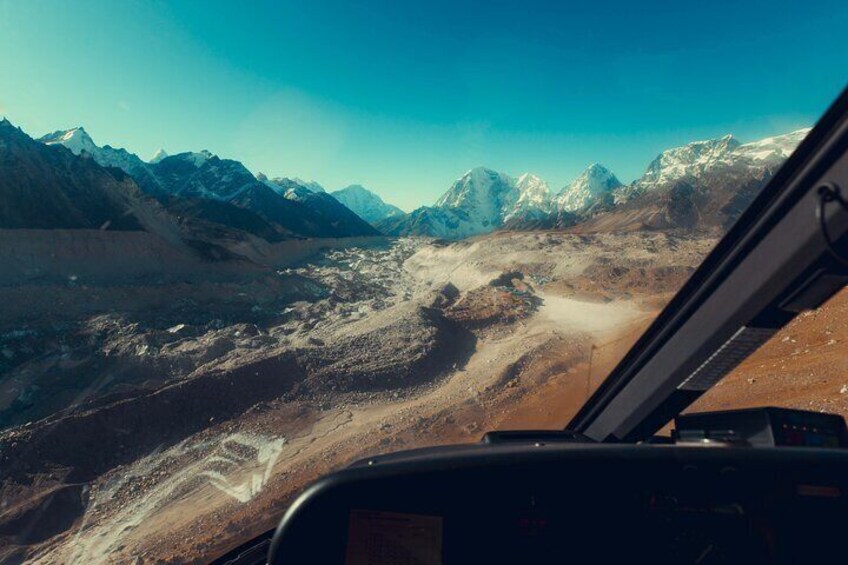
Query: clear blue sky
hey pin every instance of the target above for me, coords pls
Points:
(403, 97)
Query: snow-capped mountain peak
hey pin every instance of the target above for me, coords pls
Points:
(158, 156)
(698, 158)
(531, 184)
(533, 199)
(480, 188)
(76, 139)
(482, 200)
(690, 159)
(366, 204)
(593, 183)
(195, 159)
(773, 149)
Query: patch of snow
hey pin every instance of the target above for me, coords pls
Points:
(310, 184)
(199, 158)
(773, 149)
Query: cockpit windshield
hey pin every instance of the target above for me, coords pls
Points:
(243, 245)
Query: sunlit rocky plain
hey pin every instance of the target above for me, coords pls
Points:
(152, 419)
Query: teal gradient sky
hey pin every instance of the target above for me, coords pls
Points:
(404, 97)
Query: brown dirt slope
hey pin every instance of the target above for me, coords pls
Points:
(804, 366)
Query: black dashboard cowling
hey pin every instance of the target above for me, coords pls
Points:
(541, 502)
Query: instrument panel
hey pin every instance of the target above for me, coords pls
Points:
(658, 504)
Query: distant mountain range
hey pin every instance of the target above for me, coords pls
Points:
(366, 204)
(203, 186)
(79, 142)
(701, 185)
(45, 188)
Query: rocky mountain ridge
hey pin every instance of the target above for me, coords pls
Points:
(205, 187)
(701, 185)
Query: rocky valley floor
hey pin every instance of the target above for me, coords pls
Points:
(174, 430)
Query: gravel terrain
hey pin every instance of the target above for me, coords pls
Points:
(201, 420)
